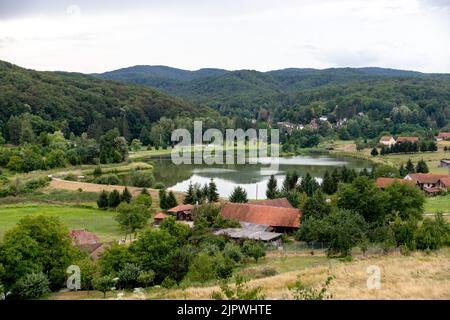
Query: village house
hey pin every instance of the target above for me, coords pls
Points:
(383, 183)
(428, 182)
(407, 139)
(280, 219)
(280, 202)
(158, 218)
(442, 136)
(444, 184)
(387, 140)
(88, 242)
(182, 212)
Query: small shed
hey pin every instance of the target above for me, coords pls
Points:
(159, 217)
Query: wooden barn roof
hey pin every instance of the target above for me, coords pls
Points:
(269, 215)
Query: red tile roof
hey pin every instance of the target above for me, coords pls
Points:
(83, 237)
(443, 135)
(410, 139)
(182, 207)
(445, 182)
(384, 182)
(272, 216)
(281, 203)
(427, 177)
(160, 216)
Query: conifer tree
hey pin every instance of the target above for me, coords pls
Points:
(126, 196)
(190, 195)
(272, 189)
(102, 201)
(114, 199)
(213, 195)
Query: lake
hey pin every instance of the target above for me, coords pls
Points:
(248, 176)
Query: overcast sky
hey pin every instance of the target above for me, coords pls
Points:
(97, 36)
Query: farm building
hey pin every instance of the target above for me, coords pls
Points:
(387, 140)
(88, 242)
(251, 231)
(442, 136)
(407, 139)
(279, 218)
(159, 217)
(426, 180)
(281, 202)
(182, 212)
(385, 182)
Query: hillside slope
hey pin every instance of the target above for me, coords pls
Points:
(83, 103)
(301, 94)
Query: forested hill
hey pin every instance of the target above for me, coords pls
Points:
(80, 103)
(302, 94)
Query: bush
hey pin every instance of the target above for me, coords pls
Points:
(103, 284)
(146, 278)
(142, 179)
(32, 286)
(168, 283)
(253, 249)
(129, 275)
(233, 252)
(34, 184)
(160, 185)
(110, 179)
(143, 199)
(97, 171)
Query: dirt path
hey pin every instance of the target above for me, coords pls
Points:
(56, 183)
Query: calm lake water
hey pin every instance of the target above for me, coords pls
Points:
(248, 176)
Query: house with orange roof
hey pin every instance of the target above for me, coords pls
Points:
(442, 136)
(407, 139)
(158, 218)
(280, 219)
(182, 212)
(383, 183)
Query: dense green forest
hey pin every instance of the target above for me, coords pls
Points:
(411, 99)
(76, 103)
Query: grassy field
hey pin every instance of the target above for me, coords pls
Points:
(438, 204)
(100, 222)
(432, 159)
(418, 276)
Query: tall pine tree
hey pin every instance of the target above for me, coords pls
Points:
(213, 195)
(272, 189)
(190, 195)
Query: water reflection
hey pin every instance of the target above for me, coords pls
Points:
(249, 176)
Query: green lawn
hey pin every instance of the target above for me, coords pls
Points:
(438, 204)
(100, 222)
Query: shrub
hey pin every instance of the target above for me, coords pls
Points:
(160, 185)
(144, 199)
(253, 249)
(301, 291)
(129, 275)
(240, 291)
(168, 283)
(233, 252)
(97, 171)
(103, 201)
(34, 184)
(142, 179)
(103, 284)
(146, 278)
(110, 179)
(32, 286)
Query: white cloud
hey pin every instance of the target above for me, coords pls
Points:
(262, 35)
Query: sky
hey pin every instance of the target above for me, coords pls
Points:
(98, 36)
